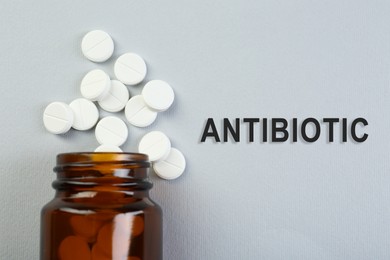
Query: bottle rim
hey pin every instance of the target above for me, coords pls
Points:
(83, 159)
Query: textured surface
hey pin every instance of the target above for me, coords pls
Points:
(223, 59)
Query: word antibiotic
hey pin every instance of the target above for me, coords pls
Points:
(281, 130)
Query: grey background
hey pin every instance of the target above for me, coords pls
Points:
(223, 59)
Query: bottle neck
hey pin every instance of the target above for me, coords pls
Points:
(90, 175)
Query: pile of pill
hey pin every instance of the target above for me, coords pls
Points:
(102, 237)
(113, 96)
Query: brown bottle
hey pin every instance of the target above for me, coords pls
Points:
(101, 210)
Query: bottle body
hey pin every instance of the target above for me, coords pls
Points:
(101, 210)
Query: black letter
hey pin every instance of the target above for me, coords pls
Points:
(344, 129)
(251, 122)
(295, 131)
(281, 129)
(213, 133)
(317, 130)
(330, 121)
(264, 130)
(353, 130)
(227, 126)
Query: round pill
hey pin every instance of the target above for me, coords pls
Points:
(111, 131)
(85, 114)
(95, 85)
(158, 95)
(108, 148)
(58, 118)
(130, 69)
(97, 46)
(85, 227)
(114, 238)
(138, 113)
(74, 248)
(104, 240)
(155, 144)
(116, 98)
(171, 167)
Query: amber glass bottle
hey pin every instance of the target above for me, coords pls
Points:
(101, 210)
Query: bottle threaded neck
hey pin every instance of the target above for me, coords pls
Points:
(97, 171)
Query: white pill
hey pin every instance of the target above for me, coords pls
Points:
(85, 114)
(158, 95)
(58, 118)
(111, 131)
(95, 85)
(171, 167)
(138, 113)
(116, 98)
(130, 69)
(108, 148)
(97, 46)
(155, 144)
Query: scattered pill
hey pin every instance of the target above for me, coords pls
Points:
(85, 114)
(85, 227)
(138, 113)
(108, 148)
(116, 98)
(111, 131)
(155, 144)
(95, 85)
(58, 118)
(113, 96)
(171, 167)
(158, 95)
(130, 69)
(97, 46)
(74, 248)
